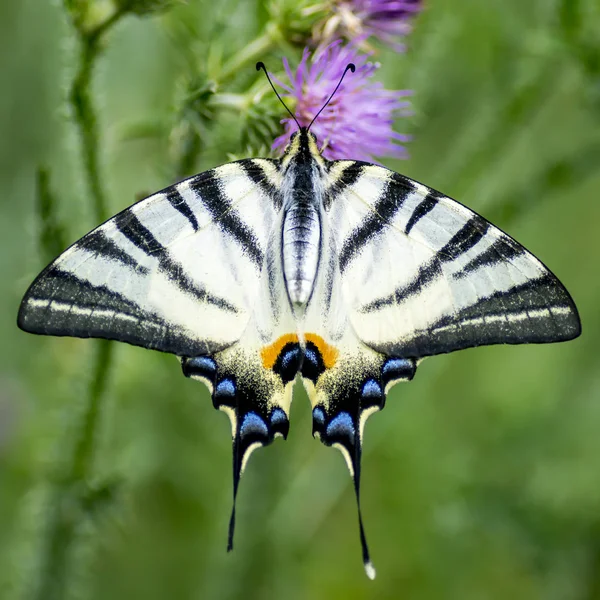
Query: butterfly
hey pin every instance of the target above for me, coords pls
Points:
(342, 274)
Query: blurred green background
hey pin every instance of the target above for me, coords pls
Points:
(481, 479)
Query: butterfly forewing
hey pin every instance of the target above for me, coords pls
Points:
(423, 274)
(176, 272)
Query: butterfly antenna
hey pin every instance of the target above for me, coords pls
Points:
(349, 67)
(261, 65)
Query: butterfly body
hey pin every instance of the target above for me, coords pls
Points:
(341, 273)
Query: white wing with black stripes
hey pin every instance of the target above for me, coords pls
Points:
(343, 273)
(423, 274)
(194, 270)
(177, 272)
(405, 273)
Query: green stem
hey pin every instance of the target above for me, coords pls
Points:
(84, 449)
(255, 50)
(87, 124)
(66, 510)
(84, 110)
(52, 234)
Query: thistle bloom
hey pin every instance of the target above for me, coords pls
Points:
(357, 123)
(385, 19)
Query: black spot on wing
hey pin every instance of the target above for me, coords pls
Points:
(425, 206)
(98, 243)
(177, 201)
(384, 209)
(208, 191)
(139, 235)
(312, 364)
(288, 362)
(200, 366)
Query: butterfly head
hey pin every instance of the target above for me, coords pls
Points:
(303, 148)
(303, 144)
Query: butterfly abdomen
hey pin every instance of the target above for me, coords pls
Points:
(301, 237)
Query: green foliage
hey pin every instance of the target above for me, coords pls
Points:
(480, 477)
(51, 231)
(145, 7)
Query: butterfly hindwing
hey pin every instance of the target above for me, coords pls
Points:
(423, 274)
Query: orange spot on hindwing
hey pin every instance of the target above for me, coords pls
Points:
(329, 353)
(269, 353)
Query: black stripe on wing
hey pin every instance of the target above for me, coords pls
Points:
(349, 175)
(423, 208)
(256, 173)
(537, 311)
(177, 201)
(59, 303)
(460, 243)
(141, 237)
(209, 192)
(384, 209)
(503, 249)
(98, 243)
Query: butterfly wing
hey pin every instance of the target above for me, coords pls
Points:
(191, 270)
(176, 272)
(423, 274)
(407, 273)
(345, 381)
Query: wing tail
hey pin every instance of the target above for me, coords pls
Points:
(346, 386)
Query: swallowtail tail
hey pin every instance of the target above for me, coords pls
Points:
(342, 274)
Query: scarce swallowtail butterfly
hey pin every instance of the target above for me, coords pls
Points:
(342, 274)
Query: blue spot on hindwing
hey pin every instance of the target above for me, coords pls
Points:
(254, 425)
(279, 422)
(290, 358)
(319, 415)
(278, 417)
(200, 366)
(312, 357)
(398, 368)
(372, 392)
(225, 390)
(288, 362)
(312, 365)
(342, 426)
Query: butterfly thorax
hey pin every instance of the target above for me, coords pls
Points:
(301, 233)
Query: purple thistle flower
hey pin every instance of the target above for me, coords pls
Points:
(357, 123)
(385, 19)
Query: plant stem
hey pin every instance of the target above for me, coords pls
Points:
(51, 231)
(86, 121)
(66, 511)
(253, 51)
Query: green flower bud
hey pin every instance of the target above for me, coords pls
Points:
(296, 19)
